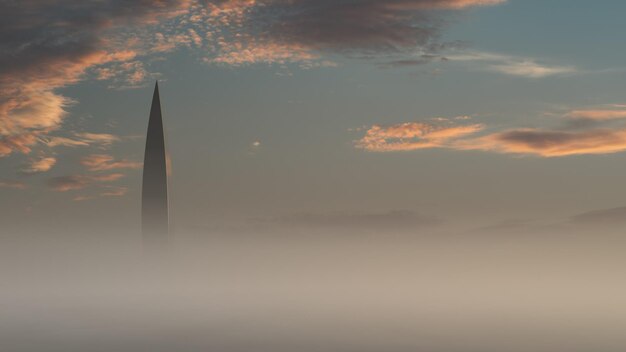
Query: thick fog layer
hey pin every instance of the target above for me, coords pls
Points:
(315, 290)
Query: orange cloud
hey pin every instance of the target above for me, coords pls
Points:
(279, 32)
(598, 115)
(102, 162)
(441, 4)
(77, 182)
(39, 165)
(242, 53)
(114, 192)
(82, 140)
(12, 184)
(413, 136)
(21, 142)
(547, 143)
(45, 46)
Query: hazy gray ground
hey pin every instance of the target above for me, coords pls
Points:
(317, 290)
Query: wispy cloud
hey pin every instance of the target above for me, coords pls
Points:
(47, 45)
(77, 182)
(40, 165)
(112, 191)
(103, 162)
(550, 143)
(512, 65)
(82, 139)
(599, 114)
(276, 31)
(581, 132)
(413, 136)
(13, 184)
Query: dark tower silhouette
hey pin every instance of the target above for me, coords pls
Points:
(154, 202)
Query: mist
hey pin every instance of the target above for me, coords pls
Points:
(315, 289)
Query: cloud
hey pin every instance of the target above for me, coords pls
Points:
(12, 184)
(129, 74)
(21, 142)
(81, 140)
(109, 191)
(39, 165)
(531, 69)
(103, 162)
(581, 132)
(413, 136)
(235, 54)
(279, 31)
(598, 114)
(77, 182)
(82, 198)
(512, 65)
(114, 191)
(68, 183)
(550, 143)
(47, 45)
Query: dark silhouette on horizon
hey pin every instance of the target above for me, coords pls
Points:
(154, 201)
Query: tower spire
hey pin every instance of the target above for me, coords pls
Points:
(154, 200)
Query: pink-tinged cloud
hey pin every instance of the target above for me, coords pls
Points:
(12, 184)
(114, 191)
(441, 4)
(103, 162)
(82, 198)
(77, 182)
(550, 143)
(20, 142)
(82, 140)
(109, 191)
(47, 45)
(40, 165)
(239, 54)
(598, 115)
(279, 31)
(511, 65)
(413, 136)
(230, 7)
(101, 138)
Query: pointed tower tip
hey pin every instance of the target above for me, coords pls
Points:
(156, 90)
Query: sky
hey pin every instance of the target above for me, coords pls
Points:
(397, 175)
(468, 113)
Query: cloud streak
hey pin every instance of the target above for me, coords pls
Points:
(39, 165)
(77, 182)
(582, 132)
(279, 31)
(103, 162)
(413, 136)
(12, 184)
(598, 114)
(550, 143)
(47, 45)
(512, 65)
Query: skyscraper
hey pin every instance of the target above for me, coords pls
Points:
(154, 202)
